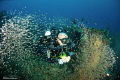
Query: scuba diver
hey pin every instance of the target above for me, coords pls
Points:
(59, 46)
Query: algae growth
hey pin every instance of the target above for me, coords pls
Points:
(21, 58)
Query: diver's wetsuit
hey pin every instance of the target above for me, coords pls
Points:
(53, 45)
(55, 48)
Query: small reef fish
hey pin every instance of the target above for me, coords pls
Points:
(95, 23)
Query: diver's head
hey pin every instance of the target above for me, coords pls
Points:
(62, 35)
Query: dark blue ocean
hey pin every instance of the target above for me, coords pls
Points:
(96, 14)
(99, 11)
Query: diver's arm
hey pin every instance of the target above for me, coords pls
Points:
(56, 48)
(60, 42)
(61, 45)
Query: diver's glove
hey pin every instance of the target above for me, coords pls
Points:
(64, 59)
(60, 61)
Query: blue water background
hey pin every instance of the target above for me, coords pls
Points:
(102, 12)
